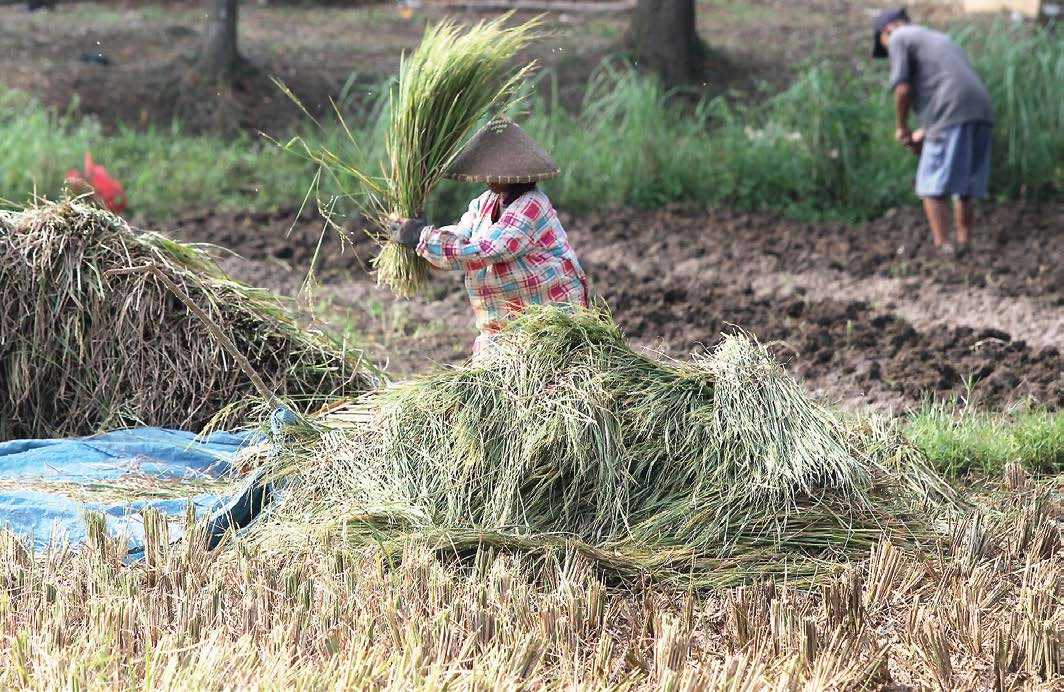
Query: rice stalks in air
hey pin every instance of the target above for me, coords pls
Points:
(712, 472)
(102, 326)
(446, 87)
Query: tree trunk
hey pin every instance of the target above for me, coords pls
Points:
(663, 38)
(220, 57)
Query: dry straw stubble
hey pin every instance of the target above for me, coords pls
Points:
(336, 616)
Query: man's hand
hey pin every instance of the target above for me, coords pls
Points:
(916, 141)
(904, 136)
(407, 231)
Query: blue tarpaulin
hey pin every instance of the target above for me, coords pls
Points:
(37, 477)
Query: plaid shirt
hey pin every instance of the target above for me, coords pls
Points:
(523, 258)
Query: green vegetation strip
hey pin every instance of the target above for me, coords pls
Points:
(961, 442)
(822, 148)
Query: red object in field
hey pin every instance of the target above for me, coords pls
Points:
(96, 178)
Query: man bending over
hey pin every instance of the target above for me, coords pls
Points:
(931, 74)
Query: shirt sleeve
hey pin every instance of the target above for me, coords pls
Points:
(901, 66)
(506, 240)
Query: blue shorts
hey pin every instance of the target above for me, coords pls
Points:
(955, 162)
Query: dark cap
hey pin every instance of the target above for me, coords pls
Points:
(885, 17)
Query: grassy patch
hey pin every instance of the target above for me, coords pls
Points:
(163, 170)
(961, 441)
(823, 148)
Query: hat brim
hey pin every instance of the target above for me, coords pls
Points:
(504, 179)
(501, 152)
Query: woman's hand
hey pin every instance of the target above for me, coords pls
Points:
(407, 231)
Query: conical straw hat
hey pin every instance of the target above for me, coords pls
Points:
(501, 152)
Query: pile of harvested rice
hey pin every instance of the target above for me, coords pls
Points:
(716, 470)
(102, 326)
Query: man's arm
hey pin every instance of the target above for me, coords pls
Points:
(901, 76)
(903, 99)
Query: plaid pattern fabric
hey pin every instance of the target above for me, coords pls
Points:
(522, 259)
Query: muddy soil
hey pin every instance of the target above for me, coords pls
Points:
(844, 350)
(279, 247)
(676, 280)
(1016, 250)
(135, 65)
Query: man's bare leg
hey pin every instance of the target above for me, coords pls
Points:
(938, 215)
(963, 215)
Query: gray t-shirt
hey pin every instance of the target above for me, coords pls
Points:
(946, 89)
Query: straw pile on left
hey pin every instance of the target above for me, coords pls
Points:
(102, 326)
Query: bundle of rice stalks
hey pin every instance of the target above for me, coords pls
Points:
(102, 326)
(718, 469)
(446, 87)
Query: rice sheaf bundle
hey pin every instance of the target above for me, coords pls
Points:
(96, 331)
(716, 470)
(446, 87)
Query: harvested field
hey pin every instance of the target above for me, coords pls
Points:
(853, 319)
(337, 616)
(781, 452)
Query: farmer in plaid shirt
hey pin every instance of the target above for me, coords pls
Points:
(510, 244)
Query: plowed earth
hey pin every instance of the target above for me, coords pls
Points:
(867, 315)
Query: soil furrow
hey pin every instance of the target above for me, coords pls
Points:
(845, 349)
(1015, 251)
(676, 280)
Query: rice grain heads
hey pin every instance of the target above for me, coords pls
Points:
(716, 470)
(102, 326)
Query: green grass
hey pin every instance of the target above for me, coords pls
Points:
(823, 148)
(164, 170)
(963, 442)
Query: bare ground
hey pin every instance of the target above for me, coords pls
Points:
(677, 279)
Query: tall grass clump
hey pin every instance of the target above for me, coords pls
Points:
(719, 470)
(962, 442)
(1023, 71)
(446, 87)
(821, 148)
(102, 326)
(165, 169)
